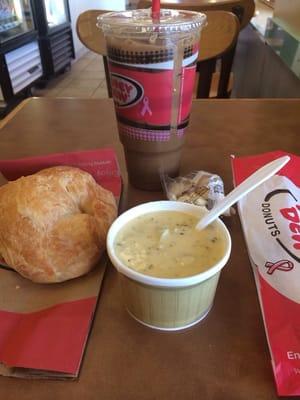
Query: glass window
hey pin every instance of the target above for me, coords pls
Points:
(15, 18)
(55, 12)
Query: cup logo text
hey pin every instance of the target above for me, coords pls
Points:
(291, 215)
(291, 219)
(126, 92)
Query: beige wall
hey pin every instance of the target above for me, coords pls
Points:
(79, 6)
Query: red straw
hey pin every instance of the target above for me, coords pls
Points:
(155, 9)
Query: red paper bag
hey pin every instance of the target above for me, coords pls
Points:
(270, 217)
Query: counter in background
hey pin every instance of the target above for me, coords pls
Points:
(287, 15)
(267, 62)
(286, 46)
(279, 29)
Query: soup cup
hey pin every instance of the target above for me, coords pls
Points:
(167, 303)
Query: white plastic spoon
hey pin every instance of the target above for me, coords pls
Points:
(241, 190)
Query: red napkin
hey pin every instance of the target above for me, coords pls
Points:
(44, 328)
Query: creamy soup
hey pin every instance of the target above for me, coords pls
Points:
(166, 244)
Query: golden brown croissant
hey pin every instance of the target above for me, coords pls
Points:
(53, 224)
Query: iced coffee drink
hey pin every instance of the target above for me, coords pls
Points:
(152, 71)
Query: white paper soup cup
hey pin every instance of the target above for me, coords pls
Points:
(163, 303)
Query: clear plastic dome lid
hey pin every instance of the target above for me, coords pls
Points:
(141, 21)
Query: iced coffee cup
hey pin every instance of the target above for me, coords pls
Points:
(152, 65)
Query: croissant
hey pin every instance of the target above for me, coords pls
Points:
(53, 224)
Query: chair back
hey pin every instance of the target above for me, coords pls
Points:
(217, 45)
(243, 9)
(218, 39)
(88, 32)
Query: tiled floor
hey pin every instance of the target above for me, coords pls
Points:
(86, 78)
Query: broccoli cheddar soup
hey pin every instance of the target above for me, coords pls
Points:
(165, 244)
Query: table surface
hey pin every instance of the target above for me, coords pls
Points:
(225, 356)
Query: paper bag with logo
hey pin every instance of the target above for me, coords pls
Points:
(44, 328)
(270, 217)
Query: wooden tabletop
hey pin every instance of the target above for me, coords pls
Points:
(225, 356)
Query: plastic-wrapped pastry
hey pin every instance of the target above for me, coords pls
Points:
(200, 188)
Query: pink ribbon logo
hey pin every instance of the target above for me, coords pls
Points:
(146, 107)
(283, 265)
